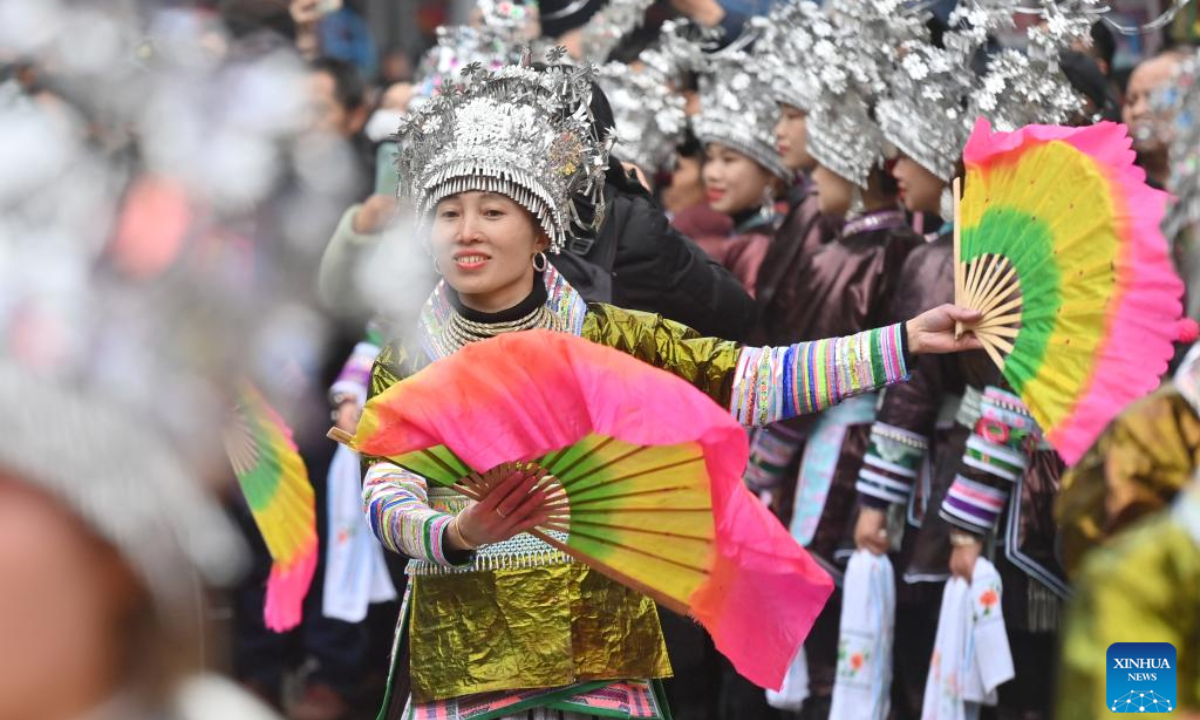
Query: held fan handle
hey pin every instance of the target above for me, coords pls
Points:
(956, 189)
(341, 436)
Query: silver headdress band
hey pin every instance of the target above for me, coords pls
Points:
(738, 110)
(524, 133)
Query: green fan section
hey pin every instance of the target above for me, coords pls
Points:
(262, 481)
(1027, 243)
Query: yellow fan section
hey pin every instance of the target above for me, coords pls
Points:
(641, 515)
(1043, 280)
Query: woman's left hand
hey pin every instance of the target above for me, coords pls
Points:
(932, 332)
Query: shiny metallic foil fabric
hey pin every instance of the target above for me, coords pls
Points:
(1136, 467)
(529, 627)
(707, 363)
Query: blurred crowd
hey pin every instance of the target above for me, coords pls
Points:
(199, 192)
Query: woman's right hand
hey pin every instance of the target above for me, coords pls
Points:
(870, 531)
(966, 550)
(513, 504)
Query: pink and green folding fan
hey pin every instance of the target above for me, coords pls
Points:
(1057, 241)
(650, 472)
(275, 482)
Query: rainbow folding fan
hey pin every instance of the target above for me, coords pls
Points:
(1057, 241)
(272, 475)
(650, 471)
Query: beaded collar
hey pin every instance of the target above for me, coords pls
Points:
(444, 328)
(880, 220)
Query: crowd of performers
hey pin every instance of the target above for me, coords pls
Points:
(760, 205)
(827, 139)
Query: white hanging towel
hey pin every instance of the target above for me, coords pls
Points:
(971, 655)
(355, 572)
(862, 688)
(794, 692)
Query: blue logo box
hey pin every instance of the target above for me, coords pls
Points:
(1141, 677)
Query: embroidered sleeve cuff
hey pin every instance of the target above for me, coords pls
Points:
(891, 465)
(772, 450)
(973, 506)
(396, 504)
(772, 384)
(355, 377)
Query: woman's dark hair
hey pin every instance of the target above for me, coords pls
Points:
(690, 147)
(348, 84)
(602, 111)
(1085, 75)
(1105, 44)
(882, 174)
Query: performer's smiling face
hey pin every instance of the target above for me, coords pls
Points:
(484, 245)
(733, 181)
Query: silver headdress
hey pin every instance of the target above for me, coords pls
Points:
(129, 314)
(649, 115)
(738, 110)
(498, 39)
(925, 112)
(788, 36)
(1182, 99)
(1022, 88)
(850, 70)
(528, 134)
(605, 30)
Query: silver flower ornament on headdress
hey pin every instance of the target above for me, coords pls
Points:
(924, 113)
(1023, 88)
(738, 110)
(789, 35)
(850, 70)
(650, 117)
(527, 134)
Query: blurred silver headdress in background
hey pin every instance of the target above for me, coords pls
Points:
(1024, 87)
(605, 30)
(161, 221)
(737, 108)
(850, 70)
(498, 37)
(528, 134)
(1182, 99)
(649, 115)
(786, 44)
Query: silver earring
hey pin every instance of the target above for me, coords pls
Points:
(946, 204)
(436, 269)
(768, 203)
(545, 262)
(856, 203)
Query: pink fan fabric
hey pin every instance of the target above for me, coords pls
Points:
(1144, 318)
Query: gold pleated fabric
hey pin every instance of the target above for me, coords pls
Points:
(529, 627)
